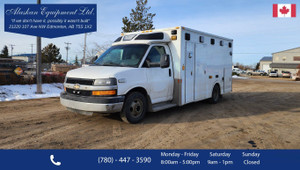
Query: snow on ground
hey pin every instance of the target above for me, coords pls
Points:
(23, 92)
(238, 77)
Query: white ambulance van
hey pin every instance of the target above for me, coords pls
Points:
(149, 71)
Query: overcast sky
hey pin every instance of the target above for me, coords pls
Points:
(249, 22)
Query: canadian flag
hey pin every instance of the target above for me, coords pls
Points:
(284, 10)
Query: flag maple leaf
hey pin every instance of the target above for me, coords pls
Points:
(284, 10)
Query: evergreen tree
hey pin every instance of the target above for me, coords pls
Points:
(257, 66)
(51, 54)
(76, 61)
(4, 52)
(140, 19)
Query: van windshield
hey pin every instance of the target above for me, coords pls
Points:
(123, 55)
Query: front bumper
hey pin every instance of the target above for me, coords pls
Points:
(92, 103)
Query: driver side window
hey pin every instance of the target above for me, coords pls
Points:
(154, 55)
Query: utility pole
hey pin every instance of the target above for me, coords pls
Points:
(11, 49)
(84, 48)
(67, 48)
(38, 62)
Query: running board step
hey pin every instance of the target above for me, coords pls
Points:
(162, 106)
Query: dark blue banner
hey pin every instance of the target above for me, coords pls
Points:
(150, 159)
(50, 21)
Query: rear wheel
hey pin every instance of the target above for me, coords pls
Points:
(135, 107)
(215, 97)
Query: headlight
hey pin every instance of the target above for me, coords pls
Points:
(105, 82)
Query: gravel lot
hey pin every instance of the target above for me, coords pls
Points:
(258, 114)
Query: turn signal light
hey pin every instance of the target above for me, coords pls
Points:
(173, 37)
(104, 93)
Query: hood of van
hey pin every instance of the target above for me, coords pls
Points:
(95, 72)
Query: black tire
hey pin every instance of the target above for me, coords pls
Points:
(135, 108)
(215, 96)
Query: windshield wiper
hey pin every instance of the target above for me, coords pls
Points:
(110, 64)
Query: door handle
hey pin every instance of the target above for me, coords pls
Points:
(170, 73)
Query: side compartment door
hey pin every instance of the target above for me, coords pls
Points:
(160, 80)
(200, 77)
(227, 79)
(189, 72)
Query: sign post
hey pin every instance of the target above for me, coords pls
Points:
(38, 62)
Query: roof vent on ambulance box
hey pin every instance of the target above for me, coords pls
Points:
(129, 37)
(152, 36)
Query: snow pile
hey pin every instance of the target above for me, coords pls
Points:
(238, 77)
(23, 92)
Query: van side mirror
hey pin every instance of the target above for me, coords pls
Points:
(164, 61)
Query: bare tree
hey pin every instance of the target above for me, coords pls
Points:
(243, 67)
(94, 51)
(101, 48)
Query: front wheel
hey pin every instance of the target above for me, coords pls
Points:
(134, 109)
(215, 97)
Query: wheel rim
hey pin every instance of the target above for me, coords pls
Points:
(136, 108)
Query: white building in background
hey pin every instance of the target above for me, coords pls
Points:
(29, 58)
(264, 64)
(287, 60)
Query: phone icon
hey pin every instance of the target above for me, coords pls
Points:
(52, 160)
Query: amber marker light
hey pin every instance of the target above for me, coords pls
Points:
(104, 93)
(173, 37)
